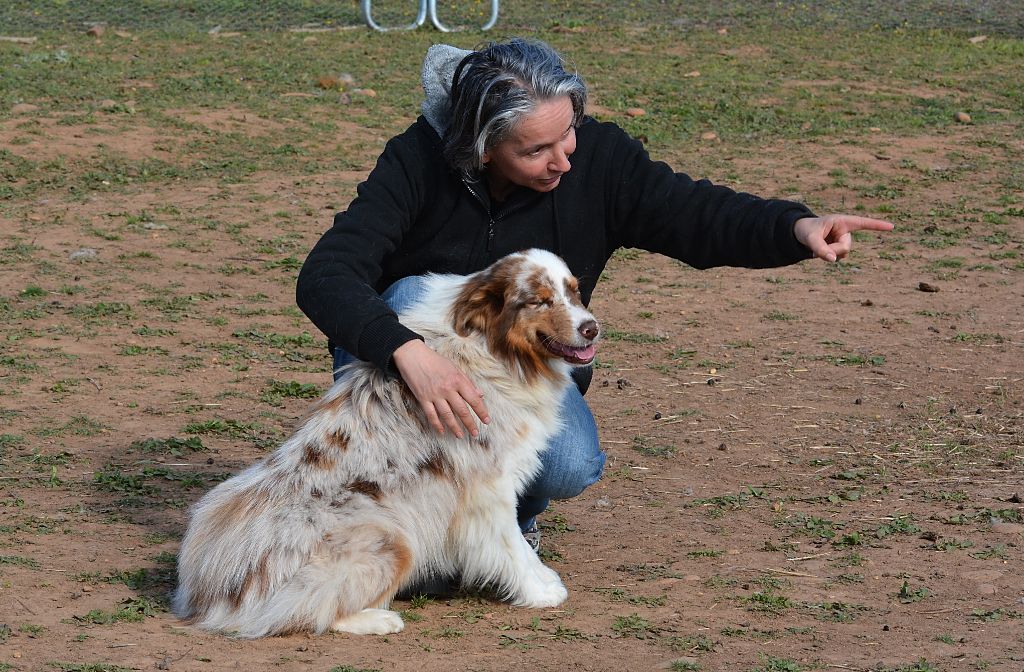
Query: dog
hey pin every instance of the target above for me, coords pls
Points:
(366, 498)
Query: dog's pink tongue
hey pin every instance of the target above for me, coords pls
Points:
(585, 354)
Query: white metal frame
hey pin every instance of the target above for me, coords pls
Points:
(427, 8)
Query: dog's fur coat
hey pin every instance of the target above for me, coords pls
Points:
(366, 498)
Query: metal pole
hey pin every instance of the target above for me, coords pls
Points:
(432, 6)
(421, 17)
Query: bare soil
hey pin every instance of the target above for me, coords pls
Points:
(815, 467)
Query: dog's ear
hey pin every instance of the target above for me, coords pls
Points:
(482, 299)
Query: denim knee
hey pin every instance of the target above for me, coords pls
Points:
(571, 477)
(573, 460)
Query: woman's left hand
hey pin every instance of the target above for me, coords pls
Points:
(831, 237)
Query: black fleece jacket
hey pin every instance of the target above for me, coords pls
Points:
(414, 215)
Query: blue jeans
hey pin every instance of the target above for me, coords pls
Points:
(573, 460)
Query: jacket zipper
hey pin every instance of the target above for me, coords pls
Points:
(487, 209)
(491, 218)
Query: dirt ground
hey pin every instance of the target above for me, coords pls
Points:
(816, 467)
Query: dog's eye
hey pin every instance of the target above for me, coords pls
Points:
(539, 303)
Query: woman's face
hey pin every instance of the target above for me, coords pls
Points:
(536, 155)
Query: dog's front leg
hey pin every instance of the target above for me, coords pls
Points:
(491, 549)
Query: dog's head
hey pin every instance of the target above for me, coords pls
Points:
(527, 305)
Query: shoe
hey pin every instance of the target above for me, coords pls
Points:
(532, 536)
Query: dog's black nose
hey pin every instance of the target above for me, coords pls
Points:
(589, 330)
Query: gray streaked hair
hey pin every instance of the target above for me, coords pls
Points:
(496, 86)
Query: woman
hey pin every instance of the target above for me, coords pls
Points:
(504, 158)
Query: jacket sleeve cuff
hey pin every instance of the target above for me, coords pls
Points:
(789, 245)
(379, 341)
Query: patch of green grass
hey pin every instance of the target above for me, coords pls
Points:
(921, 665)
(21, 363)
(855, 360)
(279, 341)
(612, 334)
(773, 664)
(556, 523)
(39, 459)
(171, 445)
(951, 544)
(962, 337)
(850, 539)
(289, 263)
(278, 390)
(10, 441)
(720, 504)
(620, 595)
(19, 561)
(897, 526)
(836, 612)
(175, 308)
(153, 331)
(32, 630)
(908, 595)
(550, 555)
(692, 644)
(78, 425)
(779, 316)
(64, 386)
(449, 632)
(17, 251)
(648, 447)
(420, 601)
(32, 292)
(144, 578)
(142, 350)
(993, 552)
(183, 479)
(1001, 515)
(634, 625)
(102, 310)
(232, 428)
(814, 526)
(995, 614)
(768, 601)
(562, 633)
(132, 610)
(111, 478)
(649, 571)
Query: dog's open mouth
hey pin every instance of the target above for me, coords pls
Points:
(571, 353)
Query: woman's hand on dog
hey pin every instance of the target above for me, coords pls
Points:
(831, 237)
(445, 393)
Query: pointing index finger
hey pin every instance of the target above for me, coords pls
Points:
(855, 223)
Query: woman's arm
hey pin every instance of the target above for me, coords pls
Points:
(336, 286)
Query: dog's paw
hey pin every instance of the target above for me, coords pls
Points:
(545, 590)
(546, 575)
(370, 622)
